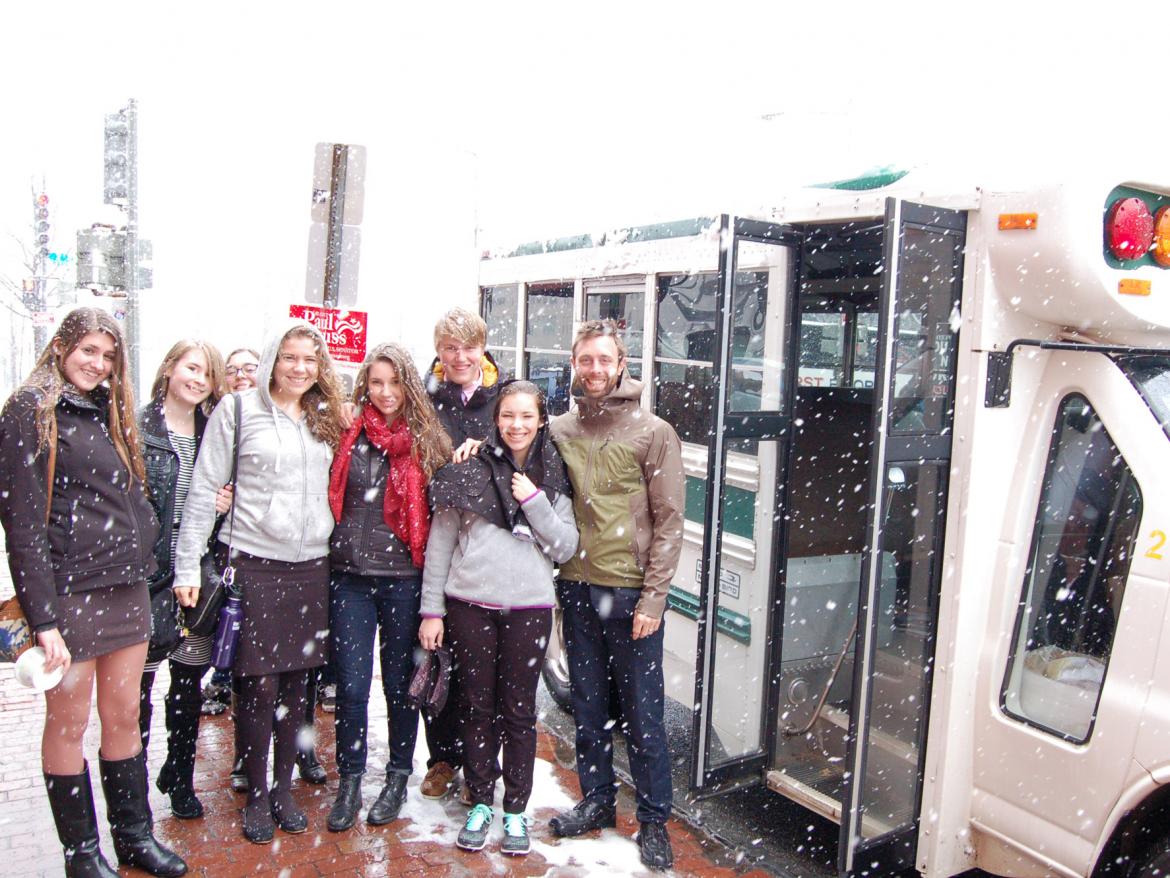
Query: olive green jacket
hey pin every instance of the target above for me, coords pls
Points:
(628, 493)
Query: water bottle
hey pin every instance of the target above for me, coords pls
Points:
(227, 633)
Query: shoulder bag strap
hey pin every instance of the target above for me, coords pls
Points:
(52, 466)
(229, 572)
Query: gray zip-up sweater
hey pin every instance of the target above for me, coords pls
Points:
(470, 559)
(282, 488)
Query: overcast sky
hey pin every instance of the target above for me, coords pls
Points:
(525, 121)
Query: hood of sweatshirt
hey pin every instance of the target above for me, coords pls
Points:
(271, 349)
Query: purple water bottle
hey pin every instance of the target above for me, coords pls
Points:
(227, 632)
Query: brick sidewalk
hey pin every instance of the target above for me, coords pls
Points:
(421, 842)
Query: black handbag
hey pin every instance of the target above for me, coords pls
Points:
(202, 619)
(166, 628)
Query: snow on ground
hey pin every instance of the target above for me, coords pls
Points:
(610, 852)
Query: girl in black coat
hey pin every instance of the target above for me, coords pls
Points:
(80, 551)
(188, 385)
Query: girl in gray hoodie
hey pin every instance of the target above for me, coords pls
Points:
(502, 520)
(289, 428)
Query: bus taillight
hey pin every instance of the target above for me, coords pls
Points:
(1129, 228)
(1160, 252)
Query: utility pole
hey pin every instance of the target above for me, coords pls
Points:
(133, 331)
(121, 188)
(34, 291)
(339, 171)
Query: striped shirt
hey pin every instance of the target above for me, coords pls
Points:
(194, 650)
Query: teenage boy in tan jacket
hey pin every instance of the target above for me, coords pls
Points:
(625, 465)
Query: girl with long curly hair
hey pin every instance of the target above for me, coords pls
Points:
(378, 493)
(80, 535)
(279, 531)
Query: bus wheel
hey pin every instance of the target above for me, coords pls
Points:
(556, 667)
(1156, 862)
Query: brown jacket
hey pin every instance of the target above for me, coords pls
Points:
(628, 493)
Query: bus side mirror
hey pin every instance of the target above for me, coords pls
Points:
(999, 380)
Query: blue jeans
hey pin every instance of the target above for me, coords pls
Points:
(359, 607)
(598, 628)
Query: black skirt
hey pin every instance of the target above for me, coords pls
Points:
(103, 620)
(286, 615)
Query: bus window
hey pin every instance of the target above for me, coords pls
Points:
(684, 353)
(927, 326)
(623, 301)
(685, 347)
(548, 339)
(498, 306)
(1089, 510)
(1151, 376)
(838, 344)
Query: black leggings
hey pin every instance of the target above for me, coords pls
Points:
(274, 702)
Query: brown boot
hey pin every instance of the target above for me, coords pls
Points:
(438, 781)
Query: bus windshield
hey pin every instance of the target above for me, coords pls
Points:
(1151, 375)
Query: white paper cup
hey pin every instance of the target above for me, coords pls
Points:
(30, 671)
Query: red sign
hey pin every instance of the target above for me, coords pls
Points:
(344, 331)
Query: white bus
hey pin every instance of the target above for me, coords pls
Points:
(924, 585)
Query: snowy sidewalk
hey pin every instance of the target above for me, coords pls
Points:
(420, 842)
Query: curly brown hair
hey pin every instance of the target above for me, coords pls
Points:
(48, 379)
(430, 444)
(322, 402)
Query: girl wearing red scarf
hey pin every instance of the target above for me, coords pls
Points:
(378, 494)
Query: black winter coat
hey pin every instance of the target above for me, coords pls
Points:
(362, 543)
(101, 527)
(462, 422)
(162, 475)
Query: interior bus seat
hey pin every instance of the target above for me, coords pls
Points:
(828, 480)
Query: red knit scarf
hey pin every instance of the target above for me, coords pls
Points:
(404, 507)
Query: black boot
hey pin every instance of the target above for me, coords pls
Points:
(238, 777)
(71, 800)
(177, 783)
(347, 803)
(310, 769)
(124, 783)
(389, 801)
(177, 774)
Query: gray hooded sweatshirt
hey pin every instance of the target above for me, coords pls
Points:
(282, 487)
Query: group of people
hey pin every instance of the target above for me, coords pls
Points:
(431, 510)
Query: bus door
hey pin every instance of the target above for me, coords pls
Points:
(753, 381)
(901, 565)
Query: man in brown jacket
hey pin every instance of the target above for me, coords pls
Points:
(628, 495)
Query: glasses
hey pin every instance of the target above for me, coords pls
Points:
(453, 349)
(248, 369)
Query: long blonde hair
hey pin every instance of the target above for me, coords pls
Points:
(430, 444)
(48, 379)
(215, 370)
(321, 402)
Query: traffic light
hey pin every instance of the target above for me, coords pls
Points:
(41, 224)
(117, 158)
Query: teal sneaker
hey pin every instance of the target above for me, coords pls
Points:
(516, 840)
(473, 835)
